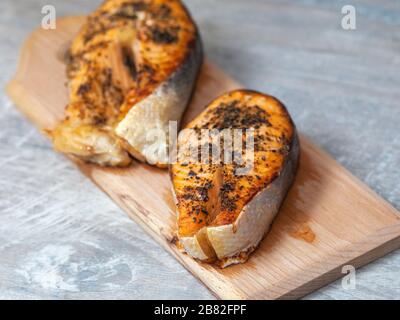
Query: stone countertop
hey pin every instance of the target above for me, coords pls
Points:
(62, 238)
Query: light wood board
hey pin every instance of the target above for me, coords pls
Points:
(329, 218)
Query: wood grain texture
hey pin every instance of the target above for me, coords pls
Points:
(352, 225)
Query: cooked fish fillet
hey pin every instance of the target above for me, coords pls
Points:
(223, 213)
(131, 69)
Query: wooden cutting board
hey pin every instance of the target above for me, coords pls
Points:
(329, 218)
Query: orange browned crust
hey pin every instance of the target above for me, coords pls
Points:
(210, 197)
(198, 185)
(124, 51)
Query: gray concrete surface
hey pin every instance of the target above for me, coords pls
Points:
(60, 237)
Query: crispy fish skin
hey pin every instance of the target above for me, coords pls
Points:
(222, 215)
(131, 69)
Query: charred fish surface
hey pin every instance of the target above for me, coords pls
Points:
(224, 214)
(131, 69)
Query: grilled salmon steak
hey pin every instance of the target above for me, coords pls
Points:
(131, 69)
(228, 187)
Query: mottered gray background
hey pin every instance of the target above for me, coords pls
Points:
(62, 238)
